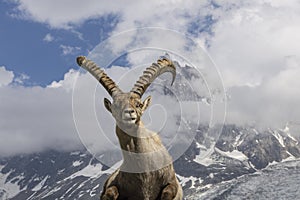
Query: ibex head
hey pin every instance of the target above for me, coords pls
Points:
(127, 108)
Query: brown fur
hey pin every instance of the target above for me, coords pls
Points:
(158, 184)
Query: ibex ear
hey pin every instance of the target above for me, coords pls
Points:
(146, 103)
(107, 104)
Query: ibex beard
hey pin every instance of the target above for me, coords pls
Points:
(147, 171)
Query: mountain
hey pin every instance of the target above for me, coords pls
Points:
(279, 181)
(239, 154)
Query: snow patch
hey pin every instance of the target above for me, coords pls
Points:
(238, 140)
(251, 165)
(288, 134)
(77, 163)
(11, 189)
(206, 161)
(93, 191)
(255, 131)
(290, 158)
(273, 163)
(194, 180)
(75, 153)
(61, 171)
(235, 154)
(287, 131)
(184, 180)
(200, 146)
(70, 188)
(279, 138)
(40, 184)
(52, 191)
(92, 171)
(204, 158)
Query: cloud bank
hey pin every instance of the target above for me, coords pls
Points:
(6, 77)
(254, 45)
(35, 118)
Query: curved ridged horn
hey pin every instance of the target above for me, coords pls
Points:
(151, 73)
(110, 86)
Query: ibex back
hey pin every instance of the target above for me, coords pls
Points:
(147, 171)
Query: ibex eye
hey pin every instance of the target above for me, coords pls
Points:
(138, 105)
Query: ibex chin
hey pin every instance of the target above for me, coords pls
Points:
(147, 171)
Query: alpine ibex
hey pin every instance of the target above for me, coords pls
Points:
(147, 171)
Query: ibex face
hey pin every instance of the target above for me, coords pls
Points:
(127, 108)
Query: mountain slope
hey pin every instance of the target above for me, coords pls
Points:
(77, 175)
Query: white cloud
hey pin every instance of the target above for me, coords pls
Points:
(254, 45)
(21, 78)
(48, 38)
(270, 104)
(62, 14)
(6, 77)
(35, 118)
(67, 50)
(251, 41)
(68, 82)
(68, 13)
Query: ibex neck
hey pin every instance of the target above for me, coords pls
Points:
(141, 153)
(138, 140)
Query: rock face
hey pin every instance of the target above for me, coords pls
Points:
(51, 175)
(260, 148)
(77, 175)
(280, 181)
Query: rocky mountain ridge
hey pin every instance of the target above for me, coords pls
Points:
(77, 175)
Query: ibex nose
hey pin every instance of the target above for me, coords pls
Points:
(129, 111)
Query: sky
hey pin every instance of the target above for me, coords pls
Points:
(254, 46)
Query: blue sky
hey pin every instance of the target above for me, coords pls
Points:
(25, 49)
(254, 45)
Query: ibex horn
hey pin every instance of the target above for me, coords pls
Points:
(163, 65)
(110, 86)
